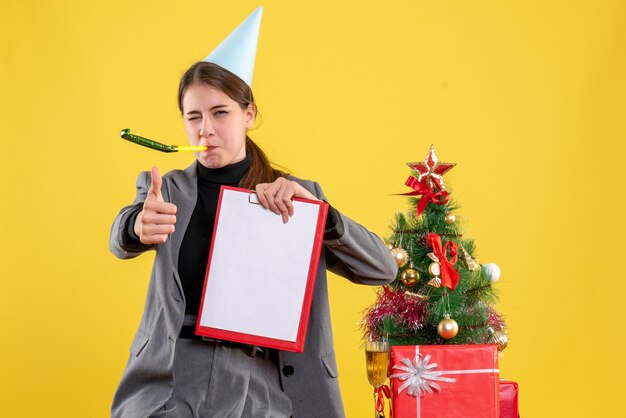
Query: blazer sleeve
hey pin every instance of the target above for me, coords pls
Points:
(358, 254)
(120, 242)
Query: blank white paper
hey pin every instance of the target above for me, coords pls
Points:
(258, 268)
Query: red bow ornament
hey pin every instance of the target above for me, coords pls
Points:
(428, 195)
(449, 276)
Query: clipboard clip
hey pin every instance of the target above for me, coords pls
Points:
(253, 198)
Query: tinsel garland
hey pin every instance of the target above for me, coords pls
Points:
(394, 305)
(494, 319)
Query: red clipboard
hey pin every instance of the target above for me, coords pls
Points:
(260, 276)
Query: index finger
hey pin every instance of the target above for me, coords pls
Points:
(283, 200)
(260, 189)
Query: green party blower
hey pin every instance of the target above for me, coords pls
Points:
(139, 140)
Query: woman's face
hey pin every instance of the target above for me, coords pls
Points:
(215, 120)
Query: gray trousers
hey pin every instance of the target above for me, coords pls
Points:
(214, 380)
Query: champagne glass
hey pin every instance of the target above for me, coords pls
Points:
(376, 360)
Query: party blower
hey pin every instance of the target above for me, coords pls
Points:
(139, 140)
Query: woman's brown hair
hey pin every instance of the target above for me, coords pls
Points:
(260, 171)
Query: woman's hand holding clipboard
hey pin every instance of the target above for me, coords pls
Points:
(277, 196)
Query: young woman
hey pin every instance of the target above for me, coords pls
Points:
(172, 372)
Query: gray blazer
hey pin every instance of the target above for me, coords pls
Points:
(309, 378)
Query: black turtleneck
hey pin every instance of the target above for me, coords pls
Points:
(194, 250)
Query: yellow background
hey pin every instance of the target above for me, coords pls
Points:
(527, 97)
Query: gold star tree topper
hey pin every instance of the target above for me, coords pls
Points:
(430, 171)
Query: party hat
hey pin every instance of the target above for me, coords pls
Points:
(237, 52)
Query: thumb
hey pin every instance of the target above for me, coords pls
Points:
(154, 193)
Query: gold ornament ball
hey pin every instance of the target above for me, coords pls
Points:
(448, 328)
(410, 277)
(390, 247)
(400, 255)
(434, 269)
(500, 340)
(450, 218)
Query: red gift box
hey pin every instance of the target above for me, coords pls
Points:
(445, 381)
(508, 399)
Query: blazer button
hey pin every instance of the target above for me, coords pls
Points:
(288, 370)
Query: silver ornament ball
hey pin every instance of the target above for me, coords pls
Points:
(492, 271)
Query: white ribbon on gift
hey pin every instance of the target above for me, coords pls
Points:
(420, 377)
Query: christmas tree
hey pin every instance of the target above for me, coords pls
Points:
(441, 294)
